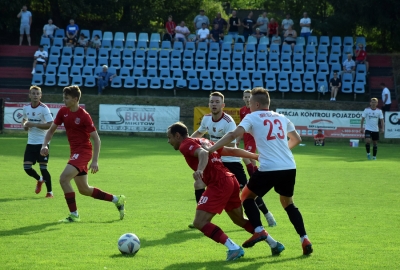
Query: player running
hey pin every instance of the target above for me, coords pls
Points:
(217, 124)
(371, 116)
(80, 128)
(37, 120)
(249, 143)
(222, 191)
(277, 166)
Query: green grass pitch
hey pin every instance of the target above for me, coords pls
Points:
(349, 205)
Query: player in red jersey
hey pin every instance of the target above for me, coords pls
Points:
(319, 138)
(222, 191)
(249, 142)
(80, 128)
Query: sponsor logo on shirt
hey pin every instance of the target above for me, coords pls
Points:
(77, 121)
(214, 129)
(65, 115)
(190, 147)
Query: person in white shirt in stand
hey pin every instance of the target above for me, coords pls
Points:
(48, 29)
(37, 120)
(349, 66)
(386, 98)
(371, 116)
(277, 166)
(286, 23)
(202, 34)
(40, 57)
(305, 24)
(181, 33)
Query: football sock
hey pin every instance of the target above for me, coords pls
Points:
(75, 213)
(252, 212)
(261, 205)
(259, 229)
(31, 172)
(303, 237)
(250, 169)
(231, 245)
(255, 168)
(198, 193)
(271, 241)
(70, 198)
(46, 176)
(367, 147)
(374, 150)
(248, 227)
(115, 199)
(101, 195)
(214, 232)
(296, 219)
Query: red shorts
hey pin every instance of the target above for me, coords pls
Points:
(225, 195)
(250, 145)
(80, 160)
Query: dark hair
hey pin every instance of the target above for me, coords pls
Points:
(72, 91)
(217, 94)
(97, 36)
(180, 128)
(261, 95)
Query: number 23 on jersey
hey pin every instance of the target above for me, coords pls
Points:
(269, 124)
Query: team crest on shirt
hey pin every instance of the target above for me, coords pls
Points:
(214, 129)
(33, 113)
(77, 121)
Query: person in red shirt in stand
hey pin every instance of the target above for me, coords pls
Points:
(319, 138)
(249, 142)
(361, 56)
(170, 27)
(222, 192)
(80, 129)
(273, 29)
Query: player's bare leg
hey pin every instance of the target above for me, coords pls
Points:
(202, 222)
(65, 181)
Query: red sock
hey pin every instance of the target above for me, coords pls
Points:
(101, 195)
(248, 227)
(214, 232)
(70, 198)
(250, 169)
(255, 168)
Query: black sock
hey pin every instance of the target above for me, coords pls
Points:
(31, 172)
(261, 205)
(374, 150)
(367, 146)
(46, 177)
(296, 219)
(252, 212)
(198, 193)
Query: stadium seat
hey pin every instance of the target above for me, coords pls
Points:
(63, 80)
(347, 78)
(336, 50)
(190, 46)
(124, 72)
(175, 65)
(286, 58)
(129, 82)
(187, 65)
(233, 85)
(214, 47)
(347, 88)
(295, 77)
(202, 47)
(108, 36)
(323, 68)
(155, 83)
(178, 46)
(245, 85)
(55, 52)
(226, 48)
(311, 50)
(176, 55)
(359, 88)
(251, 48)
(283, 77)
(264, 41)
(50, 80)
(58, 42)
(239, 39)
(230, 75)
(164, 55)
(194, 84)
(251, 40)
(321, 59)
(360, 78)
(297, 87)
(249, 57)
(200, 65)
(311, 68)
(66, 51)
(200, 56)
(90, 52)
(300, 41)
(298, 67)
(45, 42)
(238, 48)
(270, 77)
(144, 37)
(298, 49)
(152, 73)
(336, 41)
(286, 49)
(62, 71)
(347, 50)
(102, 61)
(334, 59)
(138, 73)
(218, 75)
(312, 40)
(142, 45)
(284, 86)
(142, 83)
(140, 54)
(298, 58)
(116, 82)
(181, 83)
(225, 66)
(103, 53)
(106, 44)
(128, 63)
(154, 45)
(323, 50)
(139, 63)
(130, 45)
(77, 80)
(191, 74)
(271, 86)
(188, 55)
(321, 77)
(99, 33)
(177, 74)
(79, 52)
(309, 87)
(274, 48)
(250, 67)
(131, 36)
(256, 76)
(219, 85)
(65, 61)
(213, 56)
(205, 75)
(324, 40)
(168, 84)
(90, 81)
(164, 64)
(87, 71)
(155, 37)
(262, 49)
(348, 42)
(262, 67)
(237, 66)
(118, 36)
(207, 84)
(228, 39)
(273, 58)
(310, 59)
(60, 33)
(118, 44)
(127, 54)
(115, 54)
(308, 77)
(286, 67)
(39, 70)
(261, 57)
(37, 79)
(244, 76)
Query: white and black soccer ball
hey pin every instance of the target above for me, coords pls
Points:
(129, 244)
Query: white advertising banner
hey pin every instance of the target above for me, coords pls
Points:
(13, 113)
(135, 118)
(392, 125)
(334, 124)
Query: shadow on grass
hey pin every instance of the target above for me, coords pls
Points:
(220, 264)
(280, 259)
(173, 238)
(22, 199)
(29, 229)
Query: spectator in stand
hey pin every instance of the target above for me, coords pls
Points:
(199, 20)
(103, 78)
(95, 43)
(170, 26)
(248, 24)
(181, 33)
(233, 25)
(273, 29)
(386, 98)
(290, 36)
(335, 84)
(216, 35)
(262, 23)
(25, 27)
(202, 34)
(286, 23)
(349, 66)
(83, 42)
(40, 57)
(71, 33)
(48, 29)
(319, 138)
(258, 35)
(222, 24)
(305, 24)
(361, 56)
(276, 40)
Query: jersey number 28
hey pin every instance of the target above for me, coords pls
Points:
(280, 134)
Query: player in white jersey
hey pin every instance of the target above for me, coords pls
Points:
(277, 166)
(371, 116)
(37, 120)
(217, 124)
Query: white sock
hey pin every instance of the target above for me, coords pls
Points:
(271, 241)
(259, 229)
(41, 179)
(231, 245)
(51, 192)
(115, 199)
(269, 214)
(75, 213)
(303, 237)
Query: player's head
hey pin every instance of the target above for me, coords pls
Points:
(373, 103)
(259, 99)
(35, 93)
(216, 102)
(176, 133)
(72, 95)
(319, 131)
(246, 97)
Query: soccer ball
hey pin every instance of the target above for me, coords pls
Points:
(129, 244)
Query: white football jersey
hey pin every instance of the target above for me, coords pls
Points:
(372, 118)
(39, 114)
(217, 129)
(270, 130)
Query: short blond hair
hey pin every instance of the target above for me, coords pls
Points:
(246, 91)
(218, 94)
(35, 87)
(374, 99)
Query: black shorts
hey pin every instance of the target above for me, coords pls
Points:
(237, 169)
(32, 154)
(40, 62)
(372, 134)
(282, 181)
(290, 42)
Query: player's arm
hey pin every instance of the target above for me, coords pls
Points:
(38, 125)
(202, 155)
(197, 134)
(382, 125)
(49, 134)
(227, 139)
(96, 151)
(294, 139)
(362, 123)
(237, 152)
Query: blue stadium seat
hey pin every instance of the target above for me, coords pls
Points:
(233, 85)
(239, 39)
(298, 67)
(297, 87)
(191, 74)
(230, 75)
(130, 45)
(347, 50)
(347, 78)
(298, 49)
(116, 82)
(102, 61)
(66, 51)
(273, 58)
(283, 77)
(205, 75)
(87, 71)
(99, 33)
(164, 64)
(275, 68)
(63, 80)
(142, 45)
(155, 83)
(249, 57)
(188, 55)
(37, 79)
(321, 59)
(115, 54)
(261, 57)
(79, 52)
(118, 44)
(226, 47)
(77, 80)
(274, 48)
(90, 81)
(295, 77)
(286, 49)
(321, 77)
(256, 76)
(360, 78)
(168, 84)
(323, 68)
(308, 77)
(286, 58)
(154, 45)
(58, 42)
(348, 42)
(264, 41)
(202, 47)
(178, 46)
(207, 84)
(39, 70)
(237, 66)
(219, 85)
(200, 56)
(213, 56)
(271, 86)
(176, 55)
(152, 73)
(45, 42)
(103, 53)
(238, 48)
(177, 74)
(164, 55)
(143, 37)
(323, 49)
(90, 52)
(262, 48)
(284, 86)
(55, 52)
(225, 66)
(65, 61)
(139, 63)
(228, 39)
(175, 65)
(60, 33)
(181, 83)
(336, 41)
(334, 59)
(131, 36)
(298, 58)
(194, 84)
(312, 40)
(200, 65)
(142, 83)
(245, 85)
(250, 67)
(251, 40)
(187, 65)
(300, 41)
(311, 68)
(166, 45)
(286, 67)
(62, 71)
(214, 47)
(336, 50)
(138, 73)
(262, 67)
(190, 46)
(311, 50)
(359, 88)
(120, 36)
(324, 40)
(129, 82)
(244, 76)
(106, 44)
(128, 63)
(309, 87)
(127, 54)
(151, 64)
(124, 72)
(218, 75)
(347, 88)
(270, 76)
(50, 80)
(251, 48)
(155, 37)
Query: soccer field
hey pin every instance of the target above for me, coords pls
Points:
(349, 205)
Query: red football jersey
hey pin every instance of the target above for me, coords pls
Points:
(247, 137)
(78, 126)
(319, 136)
(361, 56)
(214, 170)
